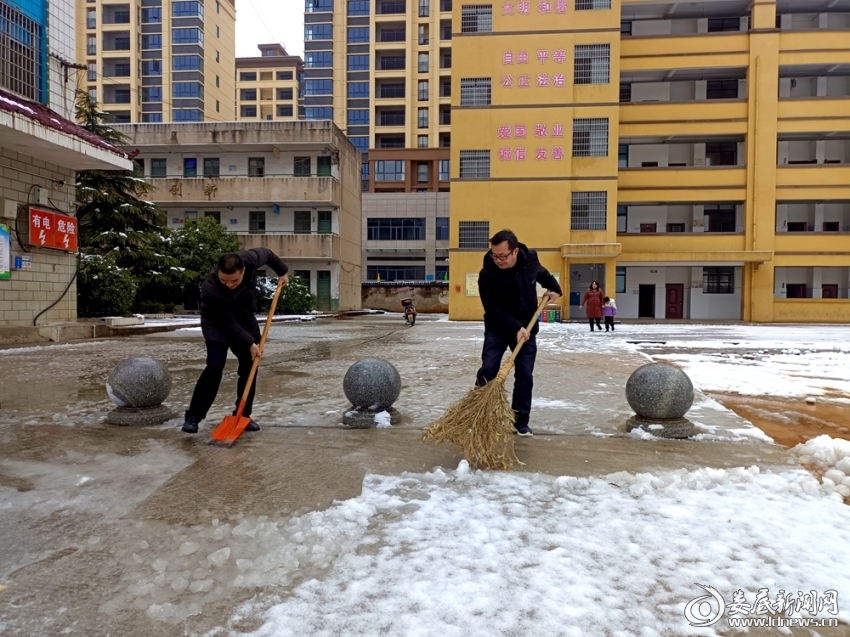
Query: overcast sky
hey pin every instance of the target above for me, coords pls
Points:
(267, 21)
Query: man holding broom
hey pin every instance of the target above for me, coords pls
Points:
(228, 304)
(507, 284)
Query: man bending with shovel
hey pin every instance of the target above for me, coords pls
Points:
(228, 304)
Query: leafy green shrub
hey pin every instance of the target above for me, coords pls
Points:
(295, 298)
(104, 289)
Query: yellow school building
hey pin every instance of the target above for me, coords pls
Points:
(694, 158)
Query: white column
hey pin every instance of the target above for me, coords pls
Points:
(819, 213)
(782, 217)
(815, 282)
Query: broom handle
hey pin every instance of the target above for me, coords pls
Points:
(531, 323)
(256, 364)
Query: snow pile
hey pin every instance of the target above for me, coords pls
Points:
(830, 455)
(468, 554)
(383, 420)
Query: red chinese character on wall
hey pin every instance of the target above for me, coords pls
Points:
(42, 228)
(523, 7)
(542, 79)
(558, 130)
(544, 7)
(540, 155)
(540, 130)
(523, 81)
(558, 152)
(504, 154)
(559, 55)
(542, 55)
(507, 80)
(559, 79)
(66, 233)
(504, 132)
(519, 131)
(508, 8)
(508, 57)
(520, 154)
(522, 57)
(560, 6)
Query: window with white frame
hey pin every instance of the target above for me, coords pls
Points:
(588, 210)
(474, 164)
(475, 91)
(474, 234)
(445, 173)
(592, 64)
(590, 137)
(476, 18)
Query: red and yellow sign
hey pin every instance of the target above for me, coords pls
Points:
(53, 230)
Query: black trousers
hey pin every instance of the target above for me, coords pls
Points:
(206, 388)
(609, 322)
(598, 324)
(491, 360)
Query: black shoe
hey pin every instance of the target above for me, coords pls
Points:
(191, 425)
(523, 430)
(252, 426)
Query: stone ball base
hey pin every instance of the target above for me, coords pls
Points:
(365, 418)
(130, 416)
(662, 427)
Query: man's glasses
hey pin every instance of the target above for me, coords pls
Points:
(501, 257)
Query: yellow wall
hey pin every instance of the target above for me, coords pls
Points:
(267, 101)
(532, 197)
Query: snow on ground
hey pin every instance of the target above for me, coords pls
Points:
(485, 554)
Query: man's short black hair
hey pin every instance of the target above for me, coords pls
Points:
(230, 263)
(502, 236)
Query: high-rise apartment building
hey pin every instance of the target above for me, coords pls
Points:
(155, 61)
(692, 157)
(382, 70)
(268, 86)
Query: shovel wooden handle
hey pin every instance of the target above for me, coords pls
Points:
(256, 364)
(531, 323)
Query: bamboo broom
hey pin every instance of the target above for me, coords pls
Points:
(481, 423)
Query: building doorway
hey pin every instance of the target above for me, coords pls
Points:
(796, 291)
(323, 290)
(829, 290)
(646, 301)
(675, 300)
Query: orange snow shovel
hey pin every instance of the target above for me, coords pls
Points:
(232, 426)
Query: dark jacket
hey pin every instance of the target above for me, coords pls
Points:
(227, 316)
(510, 296)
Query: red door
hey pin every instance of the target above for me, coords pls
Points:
(675, 300)
(829, 291)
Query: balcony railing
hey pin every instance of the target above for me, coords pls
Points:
(389, 8)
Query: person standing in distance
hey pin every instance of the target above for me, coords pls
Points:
(508, 287)
(228, 321)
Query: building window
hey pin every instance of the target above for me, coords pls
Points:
(358, 62)
(248, 77)
(422, 173)
(284, 94)
(423, 34)
(392, 63)
(395, 229)
(622, 218)
(318, 59)
(389, 170)
(358, 35)
(152, 94)
(474, 234)
(476, 18)
(318, 112)
(422, 141)
(475, 91)
(211, 167)
(187, 89)
(302, 167)
(257, 222)
(392, 118)
(393, 141)
(358, 7)
(721, 90)
(323, 166)
(590, 137)
(158, 168)
(718, 280)
(423, 90)
(320, 87)
(441, 272)
(356, 90)
(92, 72)
(592, 63)
(303, 223)
(217, 6)
(587, 5)
(424, 8)
(217, 103)
(91, 45)
(190, 167)
(721, 154)
(622, 155)
(358, 117)
(589, 210)
(151, 118)
(717, 25)
(474, 164)
(422, 118)
(151, 42)
(256, 167)
(217, 56)
(187, 36)
(318, 6)
(187, 63)
(423, 63)
(318, 32)
(91, 19)
(248, 111)
(620, 287)
(442, 229)
(187, 10)
(284, 75)
(152, 67)
(445, 174)
(361, 144)
(392, 91)
(395, 272)
(285, 110)
(625, 92)
(721, 218)
(446, 59)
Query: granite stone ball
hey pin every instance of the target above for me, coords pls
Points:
(139, 382)
(372, 384)
(658, 390)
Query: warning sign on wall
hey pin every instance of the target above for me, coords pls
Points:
(52, 230)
